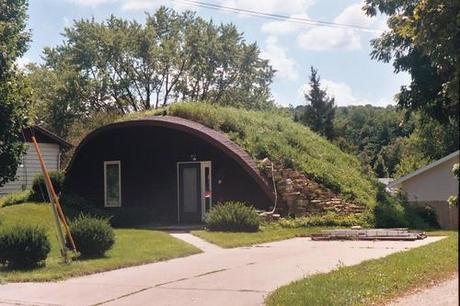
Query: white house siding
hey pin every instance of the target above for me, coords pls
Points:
(435, 184)
(31, 166)
(433, 187)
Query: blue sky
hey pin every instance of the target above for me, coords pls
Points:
(340, 55)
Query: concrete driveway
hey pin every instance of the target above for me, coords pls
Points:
(442, 294)
(241, 276)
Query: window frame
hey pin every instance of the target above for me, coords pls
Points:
(108, 163)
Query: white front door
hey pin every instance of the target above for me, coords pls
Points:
(194, 190)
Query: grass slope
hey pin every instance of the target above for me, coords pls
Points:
(375, 281)
(275, 135)
(132, 247)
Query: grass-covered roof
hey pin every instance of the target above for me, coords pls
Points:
(276, 136)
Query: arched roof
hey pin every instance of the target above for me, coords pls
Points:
(213, 137)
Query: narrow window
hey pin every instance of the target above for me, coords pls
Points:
(112, 183)
(207, 189)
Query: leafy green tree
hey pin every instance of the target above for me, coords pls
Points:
(122, 66)
(320, 110)
(56, 97)
(375, 134)
(423, 39)
(410, 161)
(430, 141)
(435, 139)
(13, 90)
(389, 157)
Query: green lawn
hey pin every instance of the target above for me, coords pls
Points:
(132, 247)
(270, 232)
(374, 281)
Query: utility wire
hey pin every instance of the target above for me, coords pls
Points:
(305, 21)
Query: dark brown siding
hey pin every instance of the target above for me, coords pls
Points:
(148, 156)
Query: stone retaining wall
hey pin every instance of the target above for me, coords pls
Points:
(300, 196)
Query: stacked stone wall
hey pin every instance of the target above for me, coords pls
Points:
(299, 195)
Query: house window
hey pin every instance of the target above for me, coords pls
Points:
(112, 183)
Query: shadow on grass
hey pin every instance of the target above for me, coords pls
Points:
(21, 268)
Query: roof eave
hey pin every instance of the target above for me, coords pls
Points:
(419, 171)
(53, 136)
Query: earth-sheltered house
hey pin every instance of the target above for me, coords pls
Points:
(173, 169)
(172, 166)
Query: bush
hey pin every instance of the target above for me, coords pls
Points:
(39, 192)
(15, 198)
(93, 236)
(233, 217)
(397, 212)
(421, 217)
(329, 219)
(23, 246)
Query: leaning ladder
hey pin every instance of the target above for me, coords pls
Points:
(59, 217)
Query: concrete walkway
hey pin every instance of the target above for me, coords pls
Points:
(196, 241)
(443, 294)
(240, 276)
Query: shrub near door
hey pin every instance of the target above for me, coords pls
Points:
(232, 217)
(93, 236)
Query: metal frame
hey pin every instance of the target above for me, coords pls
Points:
(106, 163)
(203, 165)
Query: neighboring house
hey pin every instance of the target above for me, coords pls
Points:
(164, 168)
(51, 147)
(433, 185)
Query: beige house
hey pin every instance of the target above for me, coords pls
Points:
(51, 147)
(433, 185)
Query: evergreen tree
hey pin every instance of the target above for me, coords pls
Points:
(320, 110)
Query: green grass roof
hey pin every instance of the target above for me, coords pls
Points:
(276, 136)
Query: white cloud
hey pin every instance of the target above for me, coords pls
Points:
(92, 3)
(343, 94)
(270, 6)
(279, 59)
(324, 38)
(138, 5)
(67, 22)
(354, 15)
(265, 6)
(327, 38)
(283, 27)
